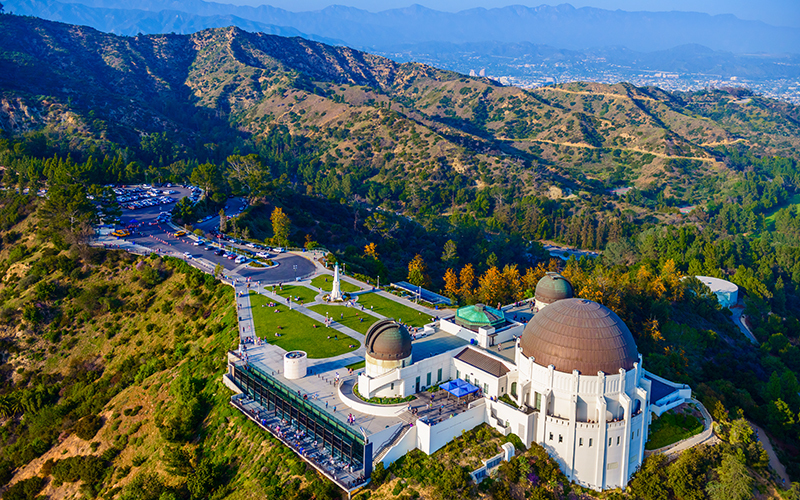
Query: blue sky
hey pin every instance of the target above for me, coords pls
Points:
(776, 12)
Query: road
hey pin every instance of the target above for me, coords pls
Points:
(160, 238)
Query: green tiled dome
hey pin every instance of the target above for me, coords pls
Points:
(479, 315)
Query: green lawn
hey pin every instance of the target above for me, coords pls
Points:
(320, 282)
(294, 291)
(770, 216)
(357, 366)
(297, 330)
(394, 310)
(352, 316)
(671, 428)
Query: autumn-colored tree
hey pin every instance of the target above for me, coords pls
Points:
(531, 279)
(491, 289)
(418, 272)
(451, 287)
(512, 284)
(223, 221)
(310, 244)
(371, 250)
(672, 280)
(280, 227)
(467, 279)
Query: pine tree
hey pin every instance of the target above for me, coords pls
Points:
(450, 253)
(223, 221)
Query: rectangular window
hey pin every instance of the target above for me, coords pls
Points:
(590, 442)
(392, 387)
(537, 402)
(609, 441)
(632, 436)
(551, 436)
(560, 438)
(429, 379)
(580, 441)
(617, 440)
(439, 375)
(466, 378)
(485, 388)
(458, 374)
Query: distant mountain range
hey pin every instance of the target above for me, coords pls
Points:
(561, 26)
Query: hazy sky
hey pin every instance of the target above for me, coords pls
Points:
(776, 12)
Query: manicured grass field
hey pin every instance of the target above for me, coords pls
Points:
(297, 330)
(671, 428)
(352, 316)
(320, 282)
(357, 366)
(294, 291)
(394, 310)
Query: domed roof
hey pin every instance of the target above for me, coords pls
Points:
(553, 287)
(388, 340)
(478, 316)
(578, 334)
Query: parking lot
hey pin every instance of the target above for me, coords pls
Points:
(160, 237)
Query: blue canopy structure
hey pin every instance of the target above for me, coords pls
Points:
(459, 388)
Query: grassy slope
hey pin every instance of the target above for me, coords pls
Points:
(188, 336)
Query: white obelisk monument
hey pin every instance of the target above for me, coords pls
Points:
(336, 293)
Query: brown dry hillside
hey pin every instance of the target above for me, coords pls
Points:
(367, 114)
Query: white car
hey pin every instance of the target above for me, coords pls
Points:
(241, 259)
(187, 255)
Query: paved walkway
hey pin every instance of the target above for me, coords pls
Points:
(738, 319)
(774, 463)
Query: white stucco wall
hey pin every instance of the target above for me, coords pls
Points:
(430, 438)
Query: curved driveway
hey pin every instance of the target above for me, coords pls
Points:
(160, 238)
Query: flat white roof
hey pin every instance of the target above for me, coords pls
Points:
(718, 285)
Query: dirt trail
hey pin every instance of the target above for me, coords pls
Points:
(607, 94)
(774, 463)
(589, 146)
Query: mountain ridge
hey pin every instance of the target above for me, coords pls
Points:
(572, 28)
(369, 117)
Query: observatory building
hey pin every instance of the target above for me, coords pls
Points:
(569, 378)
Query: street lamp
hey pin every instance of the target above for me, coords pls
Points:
(295, 271)
(379, 282)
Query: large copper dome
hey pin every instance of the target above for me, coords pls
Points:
(578, 334)
(388, 340)
(553, 287)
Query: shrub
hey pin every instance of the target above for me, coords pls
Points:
(87, 427)
(25, 489)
